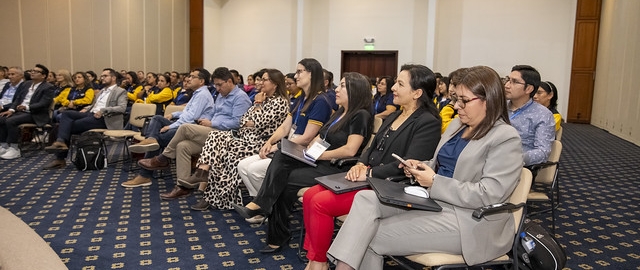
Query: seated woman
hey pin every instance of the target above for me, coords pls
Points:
(477, 163)
(448, 112)
(224, 149)
(161, 95)
(547, 95)
(133, 88)
(383, 100)
(412, 133)
(310, 111)
(77, 96)
(63, 84)
(293, 90)
(347, 134)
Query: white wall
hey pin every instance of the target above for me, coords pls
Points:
(496, 33)
(616, 98)
(503, 33)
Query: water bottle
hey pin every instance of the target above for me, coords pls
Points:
(527, 242)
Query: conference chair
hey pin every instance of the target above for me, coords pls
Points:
(517, 206)
(138, 110)
(547, 189)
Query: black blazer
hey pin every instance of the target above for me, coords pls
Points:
(417, 138)
(40, 101)
(15, 95)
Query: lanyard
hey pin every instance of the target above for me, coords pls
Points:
(295, 122)
(376, 107)
(327, 132)
(520, 110)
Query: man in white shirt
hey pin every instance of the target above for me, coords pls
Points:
(106, 112)
(30, 105)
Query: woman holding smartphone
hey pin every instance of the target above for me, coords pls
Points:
(412, 133)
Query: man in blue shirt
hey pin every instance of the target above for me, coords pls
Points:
(8, 94)
(533, 121)
(161, 129)
(189, 139)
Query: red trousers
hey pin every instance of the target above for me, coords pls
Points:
(320, 207)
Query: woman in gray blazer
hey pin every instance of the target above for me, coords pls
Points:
(477, 163)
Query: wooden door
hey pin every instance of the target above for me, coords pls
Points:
(370, 63)
(583, 66)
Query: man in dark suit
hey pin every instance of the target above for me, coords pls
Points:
(31, 105)
(106, 111)
(13, 86)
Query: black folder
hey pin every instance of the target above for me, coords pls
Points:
(393, 193)
(339, 185)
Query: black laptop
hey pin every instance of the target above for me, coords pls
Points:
(339, 185)
(393, 193)
(296, 151)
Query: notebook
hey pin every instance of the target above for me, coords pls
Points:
(295, 151)
(393, 193)
(339, 185)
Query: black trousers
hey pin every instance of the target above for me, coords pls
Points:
(9, 131)
(284, 177)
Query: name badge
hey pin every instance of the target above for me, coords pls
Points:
(292, 132)
(316, 149)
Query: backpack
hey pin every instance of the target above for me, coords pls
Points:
(90, 152)
(542, 250)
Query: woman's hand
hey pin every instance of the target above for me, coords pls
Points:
(266, 149)
(357, 173)
(419, 171)
(260, 97)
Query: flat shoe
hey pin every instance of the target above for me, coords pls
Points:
(246, 212)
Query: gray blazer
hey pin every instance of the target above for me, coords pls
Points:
(487, 172)
(114, 110)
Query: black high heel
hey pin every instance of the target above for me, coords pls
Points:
(246, 212)
(268, 249)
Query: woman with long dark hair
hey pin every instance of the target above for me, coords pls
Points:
(547, 95)
(412, 133)
(346, 133)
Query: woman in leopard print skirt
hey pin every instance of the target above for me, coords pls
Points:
(224, 149)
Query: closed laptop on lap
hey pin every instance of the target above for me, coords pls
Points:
(295, 151)
(393, 193)
(339, 185)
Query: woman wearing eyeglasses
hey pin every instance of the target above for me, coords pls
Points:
(477, 163)
(412, 133)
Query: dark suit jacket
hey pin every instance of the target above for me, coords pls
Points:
(417, 138)
(40, 101)
(4, 89)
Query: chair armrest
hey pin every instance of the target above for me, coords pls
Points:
(539, 166)
(144, 117)
(494, 208)
(344, 162)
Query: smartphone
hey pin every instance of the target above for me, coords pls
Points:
(401, 160)
(405, 162)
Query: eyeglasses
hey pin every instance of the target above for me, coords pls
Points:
(300, 71)
(461, 102)
(218, 85)
(266, 80)
(507, 79)
(35, 71)
(380, 145)
(104, 76)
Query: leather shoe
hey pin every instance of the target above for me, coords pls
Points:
(146, 145)
(55, 164)
(153, 163)
(201, 205)
(269, 249)
(57, 147)
(176, 192)
(246, 212)
(195, 179)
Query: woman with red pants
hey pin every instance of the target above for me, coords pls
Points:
(411, 133)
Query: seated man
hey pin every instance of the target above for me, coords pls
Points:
(189, 139)
(13, 86)
(533, 121)
(106, 111)
(30, 105)
(161, 130)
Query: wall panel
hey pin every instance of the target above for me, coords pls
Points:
(180, 37)
(101, 21)
(135, 32)
(151, 36)
(82, 35)
(11, 46)
(120, 38)
(165, 35)
(35, 26)
(59, 34)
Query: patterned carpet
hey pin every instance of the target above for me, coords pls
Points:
(94, 223)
